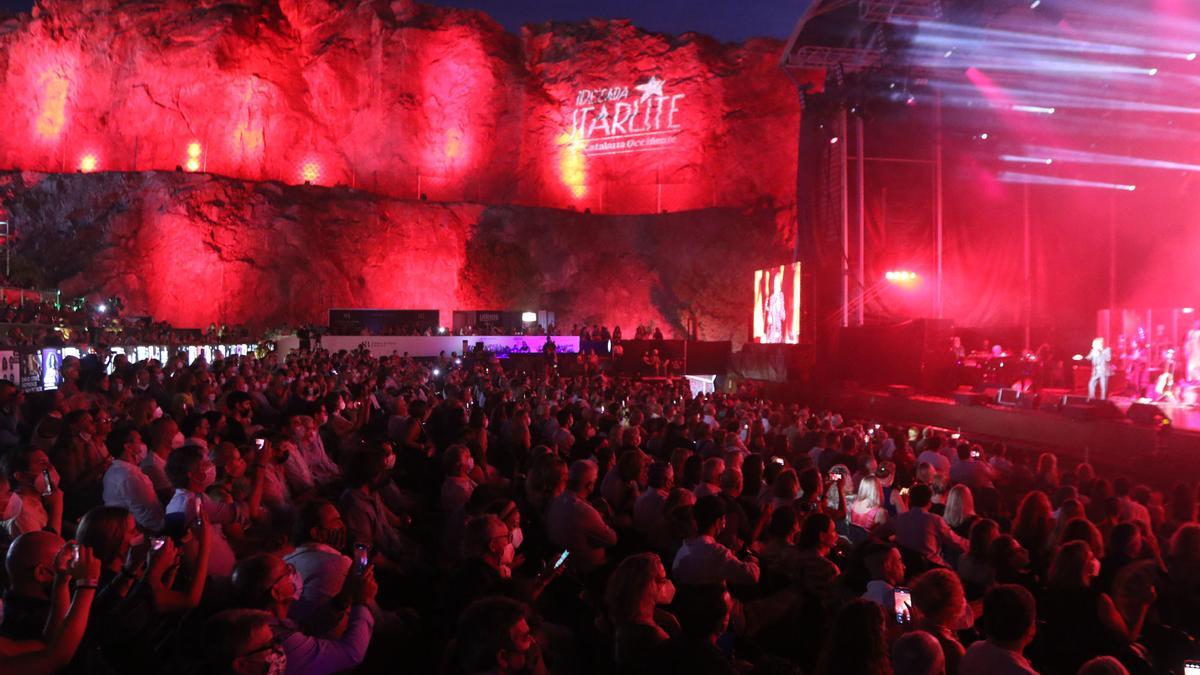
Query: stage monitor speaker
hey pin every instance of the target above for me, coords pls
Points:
(1145, 413)
(1029, 400)
(1071, 399)
(1009, 397)
(900, 391)
(1090, 409)
(969, 398)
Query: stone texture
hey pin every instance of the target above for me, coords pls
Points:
(395, 98)
(195, 248)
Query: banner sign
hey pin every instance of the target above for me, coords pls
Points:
(622, 119)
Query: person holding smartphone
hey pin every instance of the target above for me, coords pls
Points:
(37, 501)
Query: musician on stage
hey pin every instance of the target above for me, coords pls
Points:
(1191, 350)
(1101, 358)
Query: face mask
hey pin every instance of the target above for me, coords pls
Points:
(39, 484)
(470, 466)
(276, 661)
(341, 405)
(158, 412)
(177, 440)
(517, 537)
(507, 555)
(1094, 568)
(138, 453)
(666, 593)
(210, 475)
(297, 584)
(389, 462)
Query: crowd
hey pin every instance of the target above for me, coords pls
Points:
(330, 512)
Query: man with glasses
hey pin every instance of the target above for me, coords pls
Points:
(240, 642)
(266, 582)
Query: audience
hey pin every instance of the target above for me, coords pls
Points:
(319, 512)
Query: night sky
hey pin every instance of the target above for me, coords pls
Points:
(729, 20)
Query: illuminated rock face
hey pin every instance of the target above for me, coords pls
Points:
(193, 249)
(399, 99)
(384, 103)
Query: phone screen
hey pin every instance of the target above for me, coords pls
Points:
(362, 557)
(259, 443)
(157, 543)
(903, 607)
(1191, 667)
(561, 559)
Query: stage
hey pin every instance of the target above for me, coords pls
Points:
(1149, 453)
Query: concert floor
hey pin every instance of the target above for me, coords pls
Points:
(1116, 446)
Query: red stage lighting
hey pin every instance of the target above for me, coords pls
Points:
(88, 163)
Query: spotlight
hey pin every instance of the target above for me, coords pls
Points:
(1191, 57)
(102, 308)
(193, 165)
(441, 330)
(1035, 4)
(193, 149)
(528, 317)
(1188, 310)
(436, 372)
(983, 136)
(834, 140)
(458, 362)
(1152, 72)
(900, 276)
(88, 163)
(310, 172)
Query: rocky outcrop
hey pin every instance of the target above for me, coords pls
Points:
(400, 99)
(196, 248)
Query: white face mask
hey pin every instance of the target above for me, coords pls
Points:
(389, 462)
(1094, 568)
(138, 453)
(177, 440)
(158, 412)
(507, 555)
(517, 537)
(298, 584)
(210, 475)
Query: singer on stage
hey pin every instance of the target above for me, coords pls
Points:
(1101, 358)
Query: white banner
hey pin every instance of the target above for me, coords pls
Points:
(423, 346)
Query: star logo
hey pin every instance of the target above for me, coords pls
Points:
(653, 87)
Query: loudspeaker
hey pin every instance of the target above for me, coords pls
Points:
(900, 391)
(969, 398)
(1071, 399)
(1090, 410)
(1009, 396)
(1146, 413)
(1029, 400)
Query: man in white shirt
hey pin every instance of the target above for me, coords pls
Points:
(191, 472)
(320, 563)
(702, 560)
(126, 485)
(1010, 622)
(29, 508)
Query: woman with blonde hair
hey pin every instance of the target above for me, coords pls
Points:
(868, 511)
(960, 510)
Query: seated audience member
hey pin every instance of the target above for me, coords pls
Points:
(368, 521)
(856, 643)
(710, 478)
(494, 636)
(917, 653)
(265, 582)
(1103, 665)
(125, 484)
(36, 503)
(938, 598)
(241, 642)
(960, 510)
(648, 509)
(971, 470)
(636, 594)
(886, 568)
(48, 619)
(319, 558)
(702, 560)
(1009, 622)
(191, 473)
(924, 534)
(703, 613)
(867, 511)
(575, 525)
(457, 485)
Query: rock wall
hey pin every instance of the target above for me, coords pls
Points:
(400, 99)
(197, 248)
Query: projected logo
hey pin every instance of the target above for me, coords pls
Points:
(623, 120)
(777, 305)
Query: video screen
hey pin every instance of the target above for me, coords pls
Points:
(777, 305)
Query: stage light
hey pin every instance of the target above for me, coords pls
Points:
(1152, 72)
(102, 308)
(1021, 159)
(436, 372)
(1037, 109)
(528, 317)
(310, 172)
(834, 140)
(88, 163)
(1077, 357)
(1035, 179)
(900, 276)
(441, 330)
(983, 136)
(1187, 310)
(1191, 57)
(1035, 4)
(193, 149)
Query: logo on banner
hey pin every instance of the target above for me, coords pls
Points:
(622, 120)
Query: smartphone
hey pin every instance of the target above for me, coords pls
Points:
(1191, 667)
(156, 543)
(778, 460)
(561, 559)
(49, 489)
(903, 492)
(956, 436)
(903, 605)
(974, 454)
(362, 558)
(74, 554)
(259, 443)
(196, 506)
